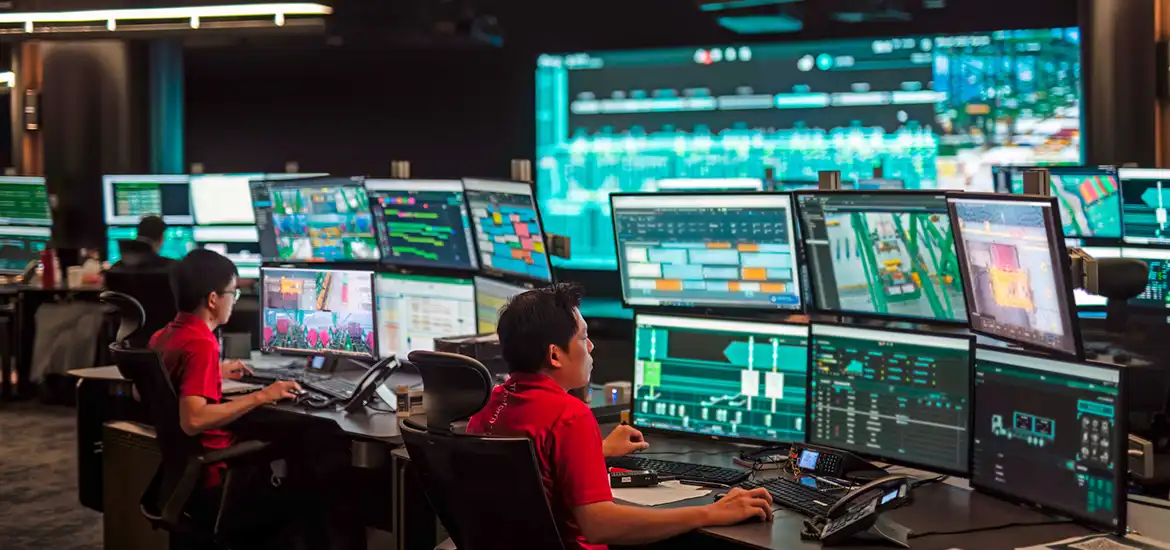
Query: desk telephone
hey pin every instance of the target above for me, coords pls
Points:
(370, 382)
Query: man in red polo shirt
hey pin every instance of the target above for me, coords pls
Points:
(546, 344)
(204, 283)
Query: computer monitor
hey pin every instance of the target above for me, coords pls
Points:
(177, 241)
(1089, 199)
(732, 250)
(222, 199)
(24, 201)
(507, 228)
(317, 311)
(1052, 433)
(491, 296)
(888, 254)
(709, 184)
(898, 396)
(128, 198)
(413, 310)
(721, 378)
(423, 223)
(1015, 270)
(314, 220)
(240, 244)
(21, 245)
(1145, 203)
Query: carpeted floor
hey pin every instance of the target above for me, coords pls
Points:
(38, 482)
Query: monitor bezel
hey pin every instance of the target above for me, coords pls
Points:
(1090, 240)
(709, 437)
(797, 253)
(814, 308)
(109, 180)
(1121, 455)
(28, 222)
(267, 350)
(1068, 300)
(471, 266)
(353, 264)
(415, 277)
(894, 459)
(503, 273)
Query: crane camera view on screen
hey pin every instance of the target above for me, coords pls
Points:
(725, 250)
(314, 220)
(1052, 433)
(240, 244)
(888, 254)
(24, 201)
(1089, 199)
(935, 111)
(507, 228)
(901, 396)
(129, 198)
(1145, 195)
(423, 223)
(413, 310)
(721, 378)
(318, 311)
(21, 245)
(491, 296)
(223, 199)
(177, 241)
(1014, 260)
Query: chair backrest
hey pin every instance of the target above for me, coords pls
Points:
(464, 477)
(130, 313)
(454, 387)
(152, 289)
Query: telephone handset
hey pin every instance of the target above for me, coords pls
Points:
(373, 379)
(827, 461)
(860, 511)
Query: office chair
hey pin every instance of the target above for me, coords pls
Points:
(464, 475)
(171, 500)
(151, 288)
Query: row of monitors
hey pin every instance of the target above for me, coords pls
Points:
(996, 262)
(410, 223)
(1044, 431)
(328, 311)
(1104, 202)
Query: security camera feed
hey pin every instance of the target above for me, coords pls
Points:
(128, 198)
(721, 378)
(904, 397)
(490, 297)
(21, 245)
(1089, 200)
(240, 244)
(1012, 257)
(1145, 197)
(719, 250)
(887, 254)
(935, 111)
(414, 310)
(318, 311)
(24, 201)
(1051, 433)
(507, 228)
(423, 223)
(177, 241)
(223, 199)
(314, 220)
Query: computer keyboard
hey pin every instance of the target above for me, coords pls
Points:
(333, 387)
(794, 496)
(681, 470)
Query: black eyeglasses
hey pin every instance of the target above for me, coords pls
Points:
(235, 294)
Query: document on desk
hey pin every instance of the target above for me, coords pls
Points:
(663, 493)
(1102, 542)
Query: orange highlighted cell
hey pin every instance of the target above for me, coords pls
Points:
(666, 284)
(733, 286)
(718, 245)
(747, 247)
(772, 288)
(755, 274)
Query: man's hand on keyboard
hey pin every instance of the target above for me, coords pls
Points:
(622, 441)
(233, 369)
(740, 505)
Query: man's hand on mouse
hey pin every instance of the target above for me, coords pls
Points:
(622, 441)
(740, 505)
(284, 389)
(234, 369)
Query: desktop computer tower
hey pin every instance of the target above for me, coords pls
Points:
(131, 457)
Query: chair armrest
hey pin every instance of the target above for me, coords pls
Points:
(239, 450)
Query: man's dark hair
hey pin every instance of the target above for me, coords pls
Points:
(152, 228)
(535, 319)
(198, 274)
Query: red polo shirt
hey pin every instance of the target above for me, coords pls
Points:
(190, 353)
(567, 440)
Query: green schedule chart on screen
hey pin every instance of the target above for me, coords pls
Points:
(722, 378)
(24, 201)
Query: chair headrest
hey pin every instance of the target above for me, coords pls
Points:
(133, 316)
(455, 386)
